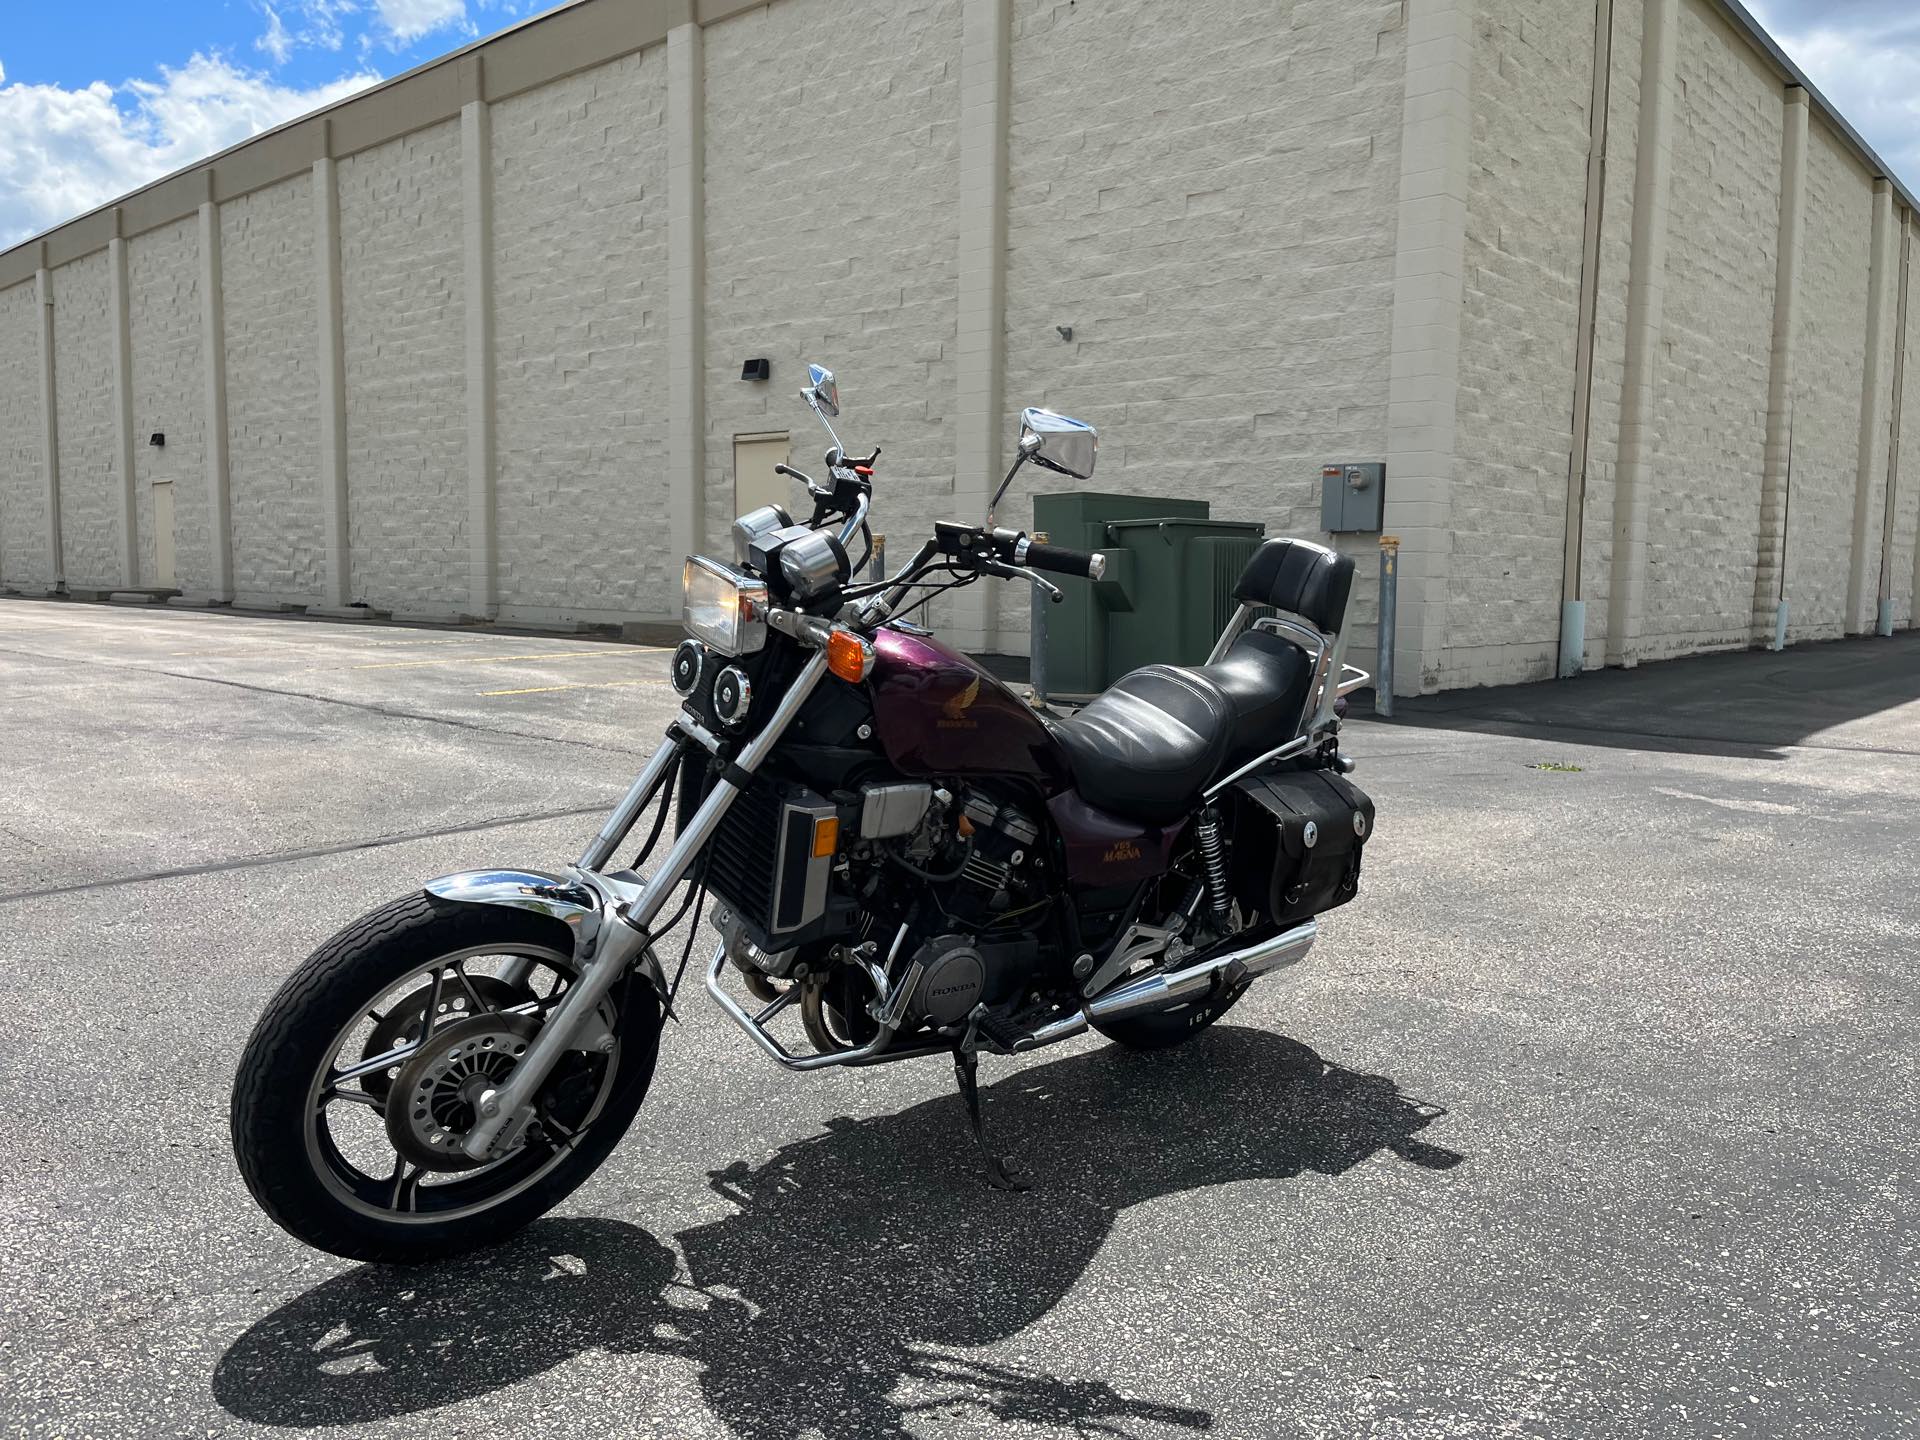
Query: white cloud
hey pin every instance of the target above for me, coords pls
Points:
(1866, 60)
(410, 19)
(317, 25)
(276, 42)
(63, 151)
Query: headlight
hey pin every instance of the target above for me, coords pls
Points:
(722, 607)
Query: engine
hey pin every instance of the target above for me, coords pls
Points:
(999, 867)
(971, 861)
(962, 867)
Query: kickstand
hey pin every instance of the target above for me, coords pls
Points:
(966, 1068)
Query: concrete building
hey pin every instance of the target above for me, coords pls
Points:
(1619, 301)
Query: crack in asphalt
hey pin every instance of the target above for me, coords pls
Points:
(387, 712)
(310, 852)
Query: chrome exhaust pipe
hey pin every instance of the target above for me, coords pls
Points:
(1152, 993)
(1144, 996)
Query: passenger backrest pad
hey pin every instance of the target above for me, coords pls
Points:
(1310, 580)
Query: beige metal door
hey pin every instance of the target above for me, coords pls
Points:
(163, 533)
(754, 483)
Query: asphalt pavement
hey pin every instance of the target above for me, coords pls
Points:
(1592, 1116)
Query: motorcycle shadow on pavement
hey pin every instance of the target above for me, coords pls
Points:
(862, 1264)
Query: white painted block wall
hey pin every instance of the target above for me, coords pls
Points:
(1224, 253)
(579, 255)
(1610, 322)
(832, 195)
(169, 394)
(83, 384)
(1879, 442)
(273, 414)
(1525, 208)
(23, 517)
(1904, 562)
(1830, 354)
(1710, 370)
(1718, 338)
(1210, 208)
(403, 328)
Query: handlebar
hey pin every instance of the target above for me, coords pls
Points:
(1060, 559)
(1013, 554)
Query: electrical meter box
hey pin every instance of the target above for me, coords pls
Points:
(1352, 496)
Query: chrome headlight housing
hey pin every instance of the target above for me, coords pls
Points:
(723, 608)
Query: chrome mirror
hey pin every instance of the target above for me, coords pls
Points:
(1060, 444)
(821, 393)
(824, 396)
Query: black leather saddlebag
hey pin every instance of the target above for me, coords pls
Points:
(1297, 839)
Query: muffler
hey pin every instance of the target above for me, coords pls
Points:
(1151, 993)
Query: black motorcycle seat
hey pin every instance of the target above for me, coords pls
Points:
(1265, 679)
(1147, 747)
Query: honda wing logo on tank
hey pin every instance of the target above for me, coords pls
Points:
(953, 711)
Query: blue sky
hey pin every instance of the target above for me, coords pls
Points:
(97, 97)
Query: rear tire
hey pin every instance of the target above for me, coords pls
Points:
(297, 1041)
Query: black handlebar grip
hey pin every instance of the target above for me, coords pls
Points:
(1064, 561)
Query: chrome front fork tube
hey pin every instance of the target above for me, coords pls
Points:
(659, 770)
(606, 950)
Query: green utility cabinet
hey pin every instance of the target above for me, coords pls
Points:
(1167, 592)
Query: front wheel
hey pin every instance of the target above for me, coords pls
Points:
(361, 1079)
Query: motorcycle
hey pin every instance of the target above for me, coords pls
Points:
(900, 853)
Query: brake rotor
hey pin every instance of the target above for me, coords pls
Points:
(401, 1025)
(436, 1097)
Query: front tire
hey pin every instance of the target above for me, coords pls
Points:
(305, 1142)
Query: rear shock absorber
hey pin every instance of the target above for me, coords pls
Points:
(1206, 833)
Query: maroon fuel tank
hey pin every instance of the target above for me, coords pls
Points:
(939, 713)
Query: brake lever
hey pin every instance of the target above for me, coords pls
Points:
(1021, 572)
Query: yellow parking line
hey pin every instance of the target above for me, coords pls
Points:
(282, 646)
(549, 689)
(497, 659)
(274, 647)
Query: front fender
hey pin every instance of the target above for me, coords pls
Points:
(555, 895)
(567, 898)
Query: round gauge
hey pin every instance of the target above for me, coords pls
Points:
(732, 695)
(688, 661)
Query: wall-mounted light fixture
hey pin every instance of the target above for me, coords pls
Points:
(757, 370)
(157, 439)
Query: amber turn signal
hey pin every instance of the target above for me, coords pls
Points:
(849, 656)
(826, 837)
